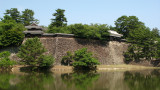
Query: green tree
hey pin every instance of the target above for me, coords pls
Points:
(6, 19)
(68, 59)
(27, 17)
(157, 46)
(14, 14)
(11, 38)
(1, 28)
(5, 62)
(142, 45)
(59, 20)
(11, 33)
(83, 60)
(155, 32)
(31, 53)
(125, 24)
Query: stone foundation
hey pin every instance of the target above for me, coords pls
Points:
(108, 53)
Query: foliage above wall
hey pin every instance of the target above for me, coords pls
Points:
(93, 31)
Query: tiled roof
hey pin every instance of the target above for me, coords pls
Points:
(33, 32)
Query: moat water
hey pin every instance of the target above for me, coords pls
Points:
(110, 80)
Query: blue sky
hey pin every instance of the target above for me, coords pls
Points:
(89, 11)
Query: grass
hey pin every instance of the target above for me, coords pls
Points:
(123, 67)
(100, 68)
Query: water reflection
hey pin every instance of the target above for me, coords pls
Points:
(80, 80)
(32, 81)
(113, 80)
(143, 81)
(5, 80)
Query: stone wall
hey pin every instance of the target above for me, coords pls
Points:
(107, 53)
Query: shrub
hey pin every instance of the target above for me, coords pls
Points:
(46, 61)
(83, 60)
(5, 54)
(5, 62)
(68, 59)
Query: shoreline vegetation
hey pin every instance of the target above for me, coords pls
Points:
(100, 68)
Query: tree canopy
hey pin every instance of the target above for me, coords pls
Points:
(12, 26)
(14, 14)
(11, 33)
(27, 17)
(125, 24)
(142, 45)
(60, 20)
(155, 32)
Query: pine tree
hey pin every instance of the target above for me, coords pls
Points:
(31, 53)
(60, 19)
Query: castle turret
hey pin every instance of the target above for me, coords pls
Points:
(33, 30)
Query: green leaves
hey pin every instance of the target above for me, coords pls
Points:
(68, 59)
(27, 17)
(81, 60)
(5, 62)
(60, 19)
(12, 38)
(93, 31)
(124, 25)
(141, 39)
(31, 50)
(14, 14)
(5, 54)
(31, 53)
(11, 34)
(46, 60)
(84, 60)
(143, 44)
